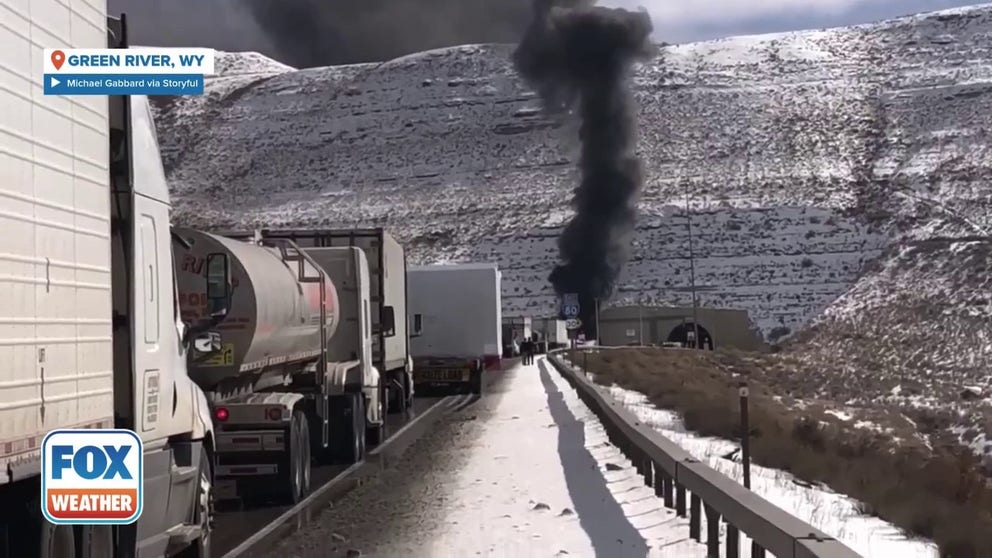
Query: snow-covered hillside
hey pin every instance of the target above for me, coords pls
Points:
(805, 156)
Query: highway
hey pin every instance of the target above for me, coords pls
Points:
(525, 471)
(234, 525)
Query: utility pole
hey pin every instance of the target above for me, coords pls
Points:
(640, 322)
(599, 334)
(692, 271)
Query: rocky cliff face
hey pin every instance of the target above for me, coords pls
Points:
(804, 157)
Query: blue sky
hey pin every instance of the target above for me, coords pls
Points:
(679, 21)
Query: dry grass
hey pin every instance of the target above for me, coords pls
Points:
(938, 493)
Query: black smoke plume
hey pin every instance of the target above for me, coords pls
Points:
(575, 53)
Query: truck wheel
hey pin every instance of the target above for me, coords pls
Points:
(293, 477)
(203, 512)
(408, 380)
(305, 453)
(375, 434)
(357, 450)
(57, 541)
(94, 541)
(397, 397)
(475, 382)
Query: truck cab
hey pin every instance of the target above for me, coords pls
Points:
(93, 276)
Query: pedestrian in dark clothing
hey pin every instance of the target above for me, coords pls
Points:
(528, 350)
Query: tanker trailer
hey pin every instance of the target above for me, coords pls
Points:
(285, 376)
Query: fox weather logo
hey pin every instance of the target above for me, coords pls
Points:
(91, 477)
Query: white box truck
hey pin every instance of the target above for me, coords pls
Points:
(89, 332)
(457, 311)
(515, 330)
(551, 333)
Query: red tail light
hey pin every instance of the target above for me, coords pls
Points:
(221, 413)
(274, 413)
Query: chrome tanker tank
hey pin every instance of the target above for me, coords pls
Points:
(274, 319)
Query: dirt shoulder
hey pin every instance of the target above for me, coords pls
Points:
(875, 455)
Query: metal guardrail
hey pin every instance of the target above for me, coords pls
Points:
(673, 473)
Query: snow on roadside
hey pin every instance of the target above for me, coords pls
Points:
(666, 535)
(833, 513)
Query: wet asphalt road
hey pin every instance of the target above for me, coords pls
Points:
(234, 525)
(404, 500)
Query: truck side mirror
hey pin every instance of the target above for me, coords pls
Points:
(388, 321)
(208, 342)
(218, 284)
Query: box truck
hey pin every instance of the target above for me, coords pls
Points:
(90, 336)
(515, 330)
(551, 333)
(456, 310)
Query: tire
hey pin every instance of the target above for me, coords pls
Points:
(57, 541)
(94, 541)
(203, 513)
(356, 449)
(397, 397)
(375, 434)
(291, 481)
(304, 429)
(475, 383)
(408, 383)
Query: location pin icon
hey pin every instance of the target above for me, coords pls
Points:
(58, 58)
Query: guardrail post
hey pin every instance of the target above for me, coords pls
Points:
(646, 472)
(679, 500)
(756, 550)
(733, 542)
(694, 517)
(668, 487)
(745, 435)
(712, 532)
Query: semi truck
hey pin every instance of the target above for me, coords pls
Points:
(456, 310)
(388, 296)
(90, 335)
(288, 371)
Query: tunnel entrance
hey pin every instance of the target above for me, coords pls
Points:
(682, 334)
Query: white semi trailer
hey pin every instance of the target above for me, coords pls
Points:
(457, 310)
(289, 371)
(90, 336)
(551, 333)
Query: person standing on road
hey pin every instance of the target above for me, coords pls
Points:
(528, 351)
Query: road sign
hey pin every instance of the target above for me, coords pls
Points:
(573, 323)
(570, 305)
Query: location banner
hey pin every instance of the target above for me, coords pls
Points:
(124, 84)
(137, 71)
